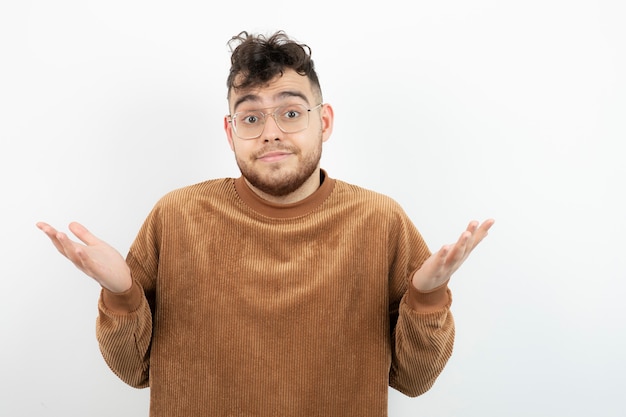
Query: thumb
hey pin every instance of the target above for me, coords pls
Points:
(83, 234)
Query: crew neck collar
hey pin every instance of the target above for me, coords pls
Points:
(284, 211)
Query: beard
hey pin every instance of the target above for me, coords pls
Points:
(281, 181)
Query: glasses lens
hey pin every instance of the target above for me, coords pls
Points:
(249, 124)
(290, 118)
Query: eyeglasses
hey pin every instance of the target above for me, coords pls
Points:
(290, 118)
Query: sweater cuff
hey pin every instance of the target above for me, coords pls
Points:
(123, 302)
(429, 301)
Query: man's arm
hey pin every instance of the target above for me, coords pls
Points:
(423, 336)
(124, 325)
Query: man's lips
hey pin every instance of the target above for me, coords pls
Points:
(273, 156)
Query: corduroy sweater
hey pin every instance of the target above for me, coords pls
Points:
(241, 307)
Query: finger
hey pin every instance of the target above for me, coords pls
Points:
(472, 226)
(443, 253)
(460, 250)
(439, 260)
(47, 229)
(488, 223)
(52, 233)
(69, 248)
(482, 232)
(83, 234)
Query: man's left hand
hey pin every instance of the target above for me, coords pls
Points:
(438, 269)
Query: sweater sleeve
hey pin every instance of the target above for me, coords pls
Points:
(422, 326)
(423, 339)
(124, 331)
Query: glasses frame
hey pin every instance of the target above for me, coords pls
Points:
(232, 117)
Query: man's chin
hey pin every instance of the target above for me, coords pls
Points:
(275, 188)
(277, 182)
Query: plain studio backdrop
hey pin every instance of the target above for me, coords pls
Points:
(458, 110)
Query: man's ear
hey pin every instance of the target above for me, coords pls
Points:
(228, 128)
(328, 117)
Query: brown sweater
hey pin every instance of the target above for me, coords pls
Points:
(241, 307)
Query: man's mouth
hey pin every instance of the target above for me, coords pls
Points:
(274, 156)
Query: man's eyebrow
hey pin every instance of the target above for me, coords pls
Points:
(291, 93)
(281, 95)
(247, 97)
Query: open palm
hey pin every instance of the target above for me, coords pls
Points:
(440, 266)
(94, 257)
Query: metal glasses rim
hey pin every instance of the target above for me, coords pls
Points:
(232, 117)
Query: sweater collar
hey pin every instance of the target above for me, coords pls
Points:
(283, 211)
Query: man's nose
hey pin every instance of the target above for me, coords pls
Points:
(271, 131)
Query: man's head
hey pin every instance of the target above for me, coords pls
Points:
(277, 121)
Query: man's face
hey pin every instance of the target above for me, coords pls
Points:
(279, 163)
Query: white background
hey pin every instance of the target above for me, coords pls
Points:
(457, 109)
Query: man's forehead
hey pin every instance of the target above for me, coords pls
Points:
(258, 97)
(290, 84)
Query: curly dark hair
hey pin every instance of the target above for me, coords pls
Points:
(259, 60)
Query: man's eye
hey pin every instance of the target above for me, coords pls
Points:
(251, 119)
(291, 114)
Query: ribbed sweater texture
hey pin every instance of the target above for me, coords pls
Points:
(241, 307)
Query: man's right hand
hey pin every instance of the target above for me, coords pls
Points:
(95, 258)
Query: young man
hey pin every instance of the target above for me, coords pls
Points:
(283, 292)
